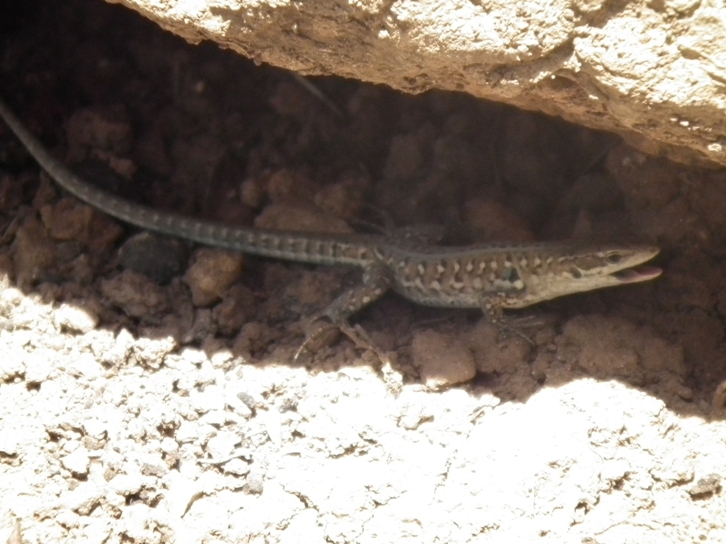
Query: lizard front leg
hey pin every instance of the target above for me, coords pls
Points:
(493, 305)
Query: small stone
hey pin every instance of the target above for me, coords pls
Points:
(33, 251)
(99, 127)
(212, 272)
(135, 294)
(706, 487)
(75, 318)
(8, 443)
(84, 498)
(39, 365)
(12, 363)
(77, 462)
(238, 306)
(126, 484)
(236, 467)
(221, 446)
(67, 219)
(255, 483)
(442, 360)
(490, 220)
(212, 398)
(94, 428)
(159, 258)
(344, 199)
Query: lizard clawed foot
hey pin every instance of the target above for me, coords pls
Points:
(506, 331)
(322, 332)
(531, 321)
(514, 326)
(319, 332)
(360, 338)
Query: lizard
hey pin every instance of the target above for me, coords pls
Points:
(492, 276)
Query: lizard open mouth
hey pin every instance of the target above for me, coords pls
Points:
(633, 275)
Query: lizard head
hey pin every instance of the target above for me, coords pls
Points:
(593, 267)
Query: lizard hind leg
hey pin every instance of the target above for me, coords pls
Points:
(324, 328)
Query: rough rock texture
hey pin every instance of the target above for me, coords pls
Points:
(653, 72)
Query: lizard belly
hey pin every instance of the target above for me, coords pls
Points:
(438, 298)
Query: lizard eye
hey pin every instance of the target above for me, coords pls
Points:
(613, 258)
(576, 274)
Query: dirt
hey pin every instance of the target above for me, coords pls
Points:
(148, 391)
